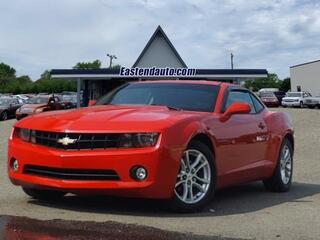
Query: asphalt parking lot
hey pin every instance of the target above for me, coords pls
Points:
(241, 212)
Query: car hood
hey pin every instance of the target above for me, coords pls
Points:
(107, 119)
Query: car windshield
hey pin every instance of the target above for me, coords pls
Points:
(184, 96)
(4, 101)
(294, 94)
(267, 94)
(38, 100)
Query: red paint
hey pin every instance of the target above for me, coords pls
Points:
(246, 146)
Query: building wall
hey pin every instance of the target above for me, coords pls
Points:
(307, 76)
(159, 54)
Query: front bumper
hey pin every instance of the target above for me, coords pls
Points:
(272, 104)
(290, 104)
(161, 163)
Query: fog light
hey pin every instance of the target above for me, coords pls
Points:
(14, 165)
(139, 173)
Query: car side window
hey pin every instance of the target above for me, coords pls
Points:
(257, 104)
(240, 97)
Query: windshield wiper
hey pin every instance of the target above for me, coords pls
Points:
(169, 107)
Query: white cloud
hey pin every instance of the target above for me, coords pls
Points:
(273, 34)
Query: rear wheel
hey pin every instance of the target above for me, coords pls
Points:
(45, 195)
(195, 180)
(4, 116)
(282, 176)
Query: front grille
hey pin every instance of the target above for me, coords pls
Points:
(70, 174)
(76, 141)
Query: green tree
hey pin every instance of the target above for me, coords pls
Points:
(88, 65)
(7, 71)
(7, 74)
(272, 81)
(285, 85)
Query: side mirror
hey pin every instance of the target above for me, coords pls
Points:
(235, 108)
(92, 102)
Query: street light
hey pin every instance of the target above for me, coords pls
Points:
(231, 56)
(111, 58)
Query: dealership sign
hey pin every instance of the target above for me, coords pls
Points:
(157, 72)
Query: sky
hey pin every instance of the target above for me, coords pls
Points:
(36, 35)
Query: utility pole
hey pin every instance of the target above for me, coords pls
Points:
(111, 58)
(231, 56)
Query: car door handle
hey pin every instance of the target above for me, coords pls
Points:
(261, 126)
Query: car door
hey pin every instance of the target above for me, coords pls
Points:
(14, 105)
(242, 139)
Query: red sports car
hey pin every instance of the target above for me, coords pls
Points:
(177, 140)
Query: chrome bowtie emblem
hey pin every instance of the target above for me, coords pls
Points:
(66, 141)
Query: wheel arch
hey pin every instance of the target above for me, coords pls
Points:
(205, 139)
(290, 137)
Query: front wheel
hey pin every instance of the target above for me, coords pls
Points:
(4, 116)
(45, 195)
(195, 180)
(282, 176)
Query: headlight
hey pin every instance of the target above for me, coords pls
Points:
(135, 140)
(24, 134)
(38, 110)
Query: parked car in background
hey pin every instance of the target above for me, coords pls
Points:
(70, 100)
(38, 104)
(295, 99)
(267, 90)
(21, 98)
(312, 102)
(280, 95)
(8, 107)
(269, 99)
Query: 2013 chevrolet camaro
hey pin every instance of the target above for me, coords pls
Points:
(177, 140)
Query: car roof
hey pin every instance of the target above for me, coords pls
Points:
(200, 82)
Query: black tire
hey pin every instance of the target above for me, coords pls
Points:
(311, 107)
(4, 116)
(44, 195)
(176, 204)
(275, 183)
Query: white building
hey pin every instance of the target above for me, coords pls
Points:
(306, 77)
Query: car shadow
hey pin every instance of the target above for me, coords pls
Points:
(234, 200)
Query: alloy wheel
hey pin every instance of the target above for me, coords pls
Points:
(194, 177)
(285, 164)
